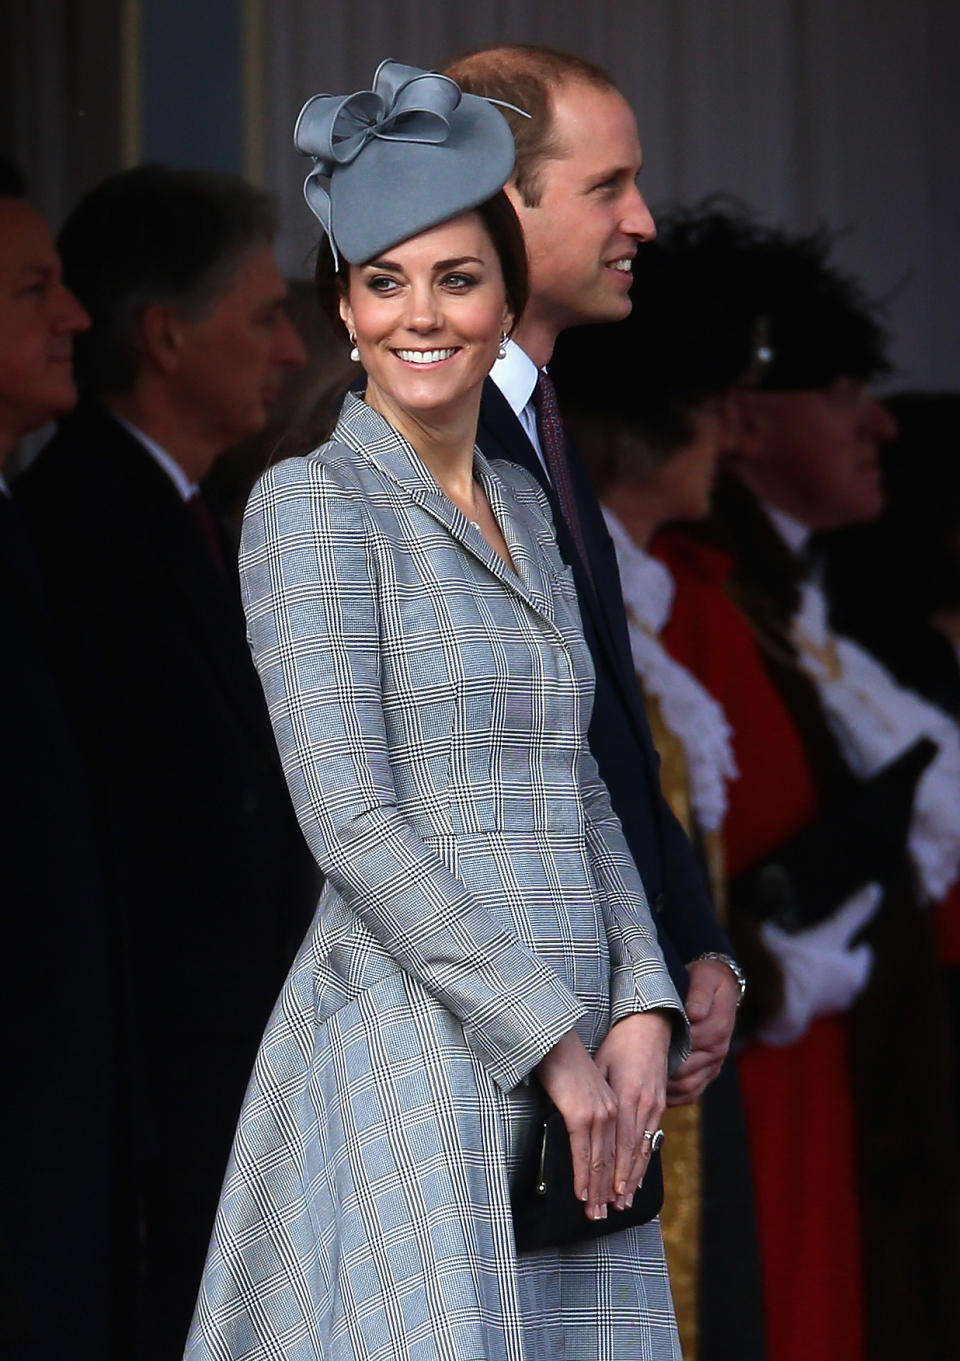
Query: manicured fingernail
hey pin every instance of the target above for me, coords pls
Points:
(639, 1183)
(583, 1196)
(603, 1211)
(629, 1202)
(621, 1188)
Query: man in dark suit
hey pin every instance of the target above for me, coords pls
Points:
(574, 189)
(57, 1134)
(215, 886)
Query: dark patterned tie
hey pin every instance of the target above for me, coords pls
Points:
(553, 442)
(208, 528)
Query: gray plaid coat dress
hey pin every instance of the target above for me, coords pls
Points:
(430, 707)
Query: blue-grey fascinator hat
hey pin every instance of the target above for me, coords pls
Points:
(402, 157)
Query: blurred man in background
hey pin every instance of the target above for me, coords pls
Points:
(213, 883)
(57, 1142)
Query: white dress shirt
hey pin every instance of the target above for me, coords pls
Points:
(170, 466)
(516, 377)
(795, 534)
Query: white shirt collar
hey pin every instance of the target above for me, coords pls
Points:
(170, 466)
(516, 376)
(794, 533)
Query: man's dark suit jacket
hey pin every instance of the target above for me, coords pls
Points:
(619, 732)
(214, 881)
(56, 1025)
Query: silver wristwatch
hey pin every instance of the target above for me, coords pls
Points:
(732, 965)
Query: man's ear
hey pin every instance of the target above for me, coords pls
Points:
(513, 194)
(160, 337)
(746, 416)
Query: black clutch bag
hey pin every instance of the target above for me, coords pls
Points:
(546, 1212)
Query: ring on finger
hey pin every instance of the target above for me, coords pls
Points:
(656, 1137)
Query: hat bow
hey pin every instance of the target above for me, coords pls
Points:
(405, 105)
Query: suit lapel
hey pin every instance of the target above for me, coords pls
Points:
(18, 563)
(209, 601)
(367, 432)
(502, 436)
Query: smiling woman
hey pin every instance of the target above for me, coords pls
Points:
(442, 298)
(482, 923)
(427, 324)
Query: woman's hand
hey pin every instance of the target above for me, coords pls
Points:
(633, 1059)
(589, 1108)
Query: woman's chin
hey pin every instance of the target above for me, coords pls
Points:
(426, 399)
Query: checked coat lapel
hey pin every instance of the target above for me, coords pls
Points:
(501, 436)
(365, 430)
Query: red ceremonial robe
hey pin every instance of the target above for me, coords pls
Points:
(797, 1097)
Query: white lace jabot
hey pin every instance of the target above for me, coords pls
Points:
(874, 720)
(689, 711)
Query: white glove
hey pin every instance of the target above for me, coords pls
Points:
(822, 974)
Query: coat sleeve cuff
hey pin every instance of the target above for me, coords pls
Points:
(511, 1041)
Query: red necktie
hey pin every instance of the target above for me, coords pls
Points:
(553, 442)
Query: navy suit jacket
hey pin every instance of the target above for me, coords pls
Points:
(619, 731)
(58, 1143)
(204, 855)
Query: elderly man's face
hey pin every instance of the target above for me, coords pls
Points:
(232, 362)
(38, 320)
(818, 460)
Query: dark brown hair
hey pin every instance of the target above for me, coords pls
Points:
(504, 230)
(526, 76)
(154, 234)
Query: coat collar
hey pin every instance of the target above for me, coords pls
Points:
(368, 433)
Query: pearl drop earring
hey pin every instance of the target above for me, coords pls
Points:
(354, 353)
(502, 351)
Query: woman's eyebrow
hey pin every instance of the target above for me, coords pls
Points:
(455, 264)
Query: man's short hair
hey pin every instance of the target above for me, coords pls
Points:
(526, 76)
(154, 235)
(779, 294)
